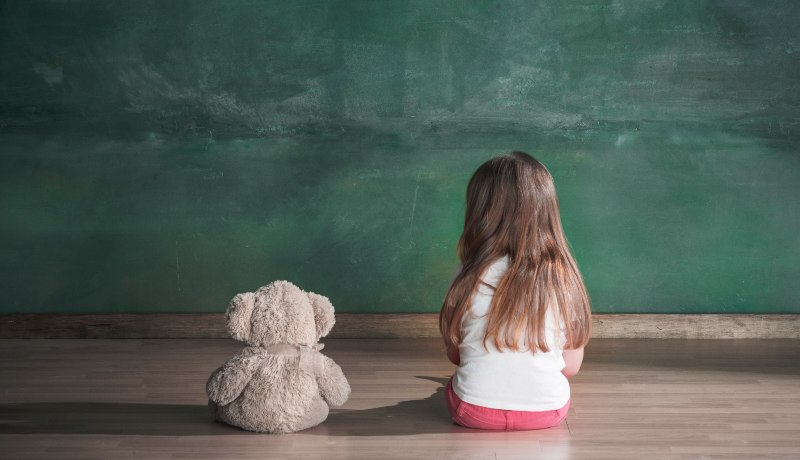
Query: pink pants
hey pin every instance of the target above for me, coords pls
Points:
(484, 418)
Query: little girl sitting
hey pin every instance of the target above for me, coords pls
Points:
(516, 317)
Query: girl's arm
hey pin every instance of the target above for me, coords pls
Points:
(573, 360)
(453, 355)
(452, 352)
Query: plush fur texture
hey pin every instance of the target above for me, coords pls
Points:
(280, 382)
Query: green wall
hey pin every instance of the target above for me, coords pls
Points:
(165, 155)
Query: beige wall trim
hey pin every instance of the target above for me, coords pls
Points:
(387, 325)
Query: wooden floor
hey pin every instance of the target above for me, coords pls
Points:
(649, 399)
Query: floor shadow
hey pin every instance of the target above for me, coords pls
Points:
(111, 418)
(417, 416)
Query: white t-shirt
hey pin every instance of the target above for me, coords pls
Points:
(509, 380)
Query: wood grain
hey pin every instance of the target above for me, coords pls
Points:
(387, 325)
(633, 399)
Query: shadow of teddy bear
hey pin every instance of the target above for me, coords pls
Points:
(416, 416)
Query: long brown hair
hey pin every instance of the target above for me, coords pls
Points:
(512, 210)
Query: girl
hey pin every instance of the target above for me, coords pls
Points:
(516, 317)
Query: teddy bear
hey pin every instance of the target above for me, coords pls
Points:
(280, 382)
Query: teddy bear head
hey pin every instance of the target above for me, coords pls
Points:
(279, 312)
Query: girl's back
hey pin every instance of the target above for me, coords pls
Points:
(511, 380)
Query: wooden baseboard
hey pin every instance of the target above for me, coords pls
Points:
(386, 325)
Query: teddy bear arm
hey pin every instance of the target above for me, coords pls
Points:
(332, 383)
(228, 382)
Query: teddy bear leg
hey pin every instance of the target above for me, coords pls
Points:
(316, 414)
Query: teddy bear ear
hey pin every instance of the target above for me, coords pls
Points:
(238, 315)
(323, 313)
